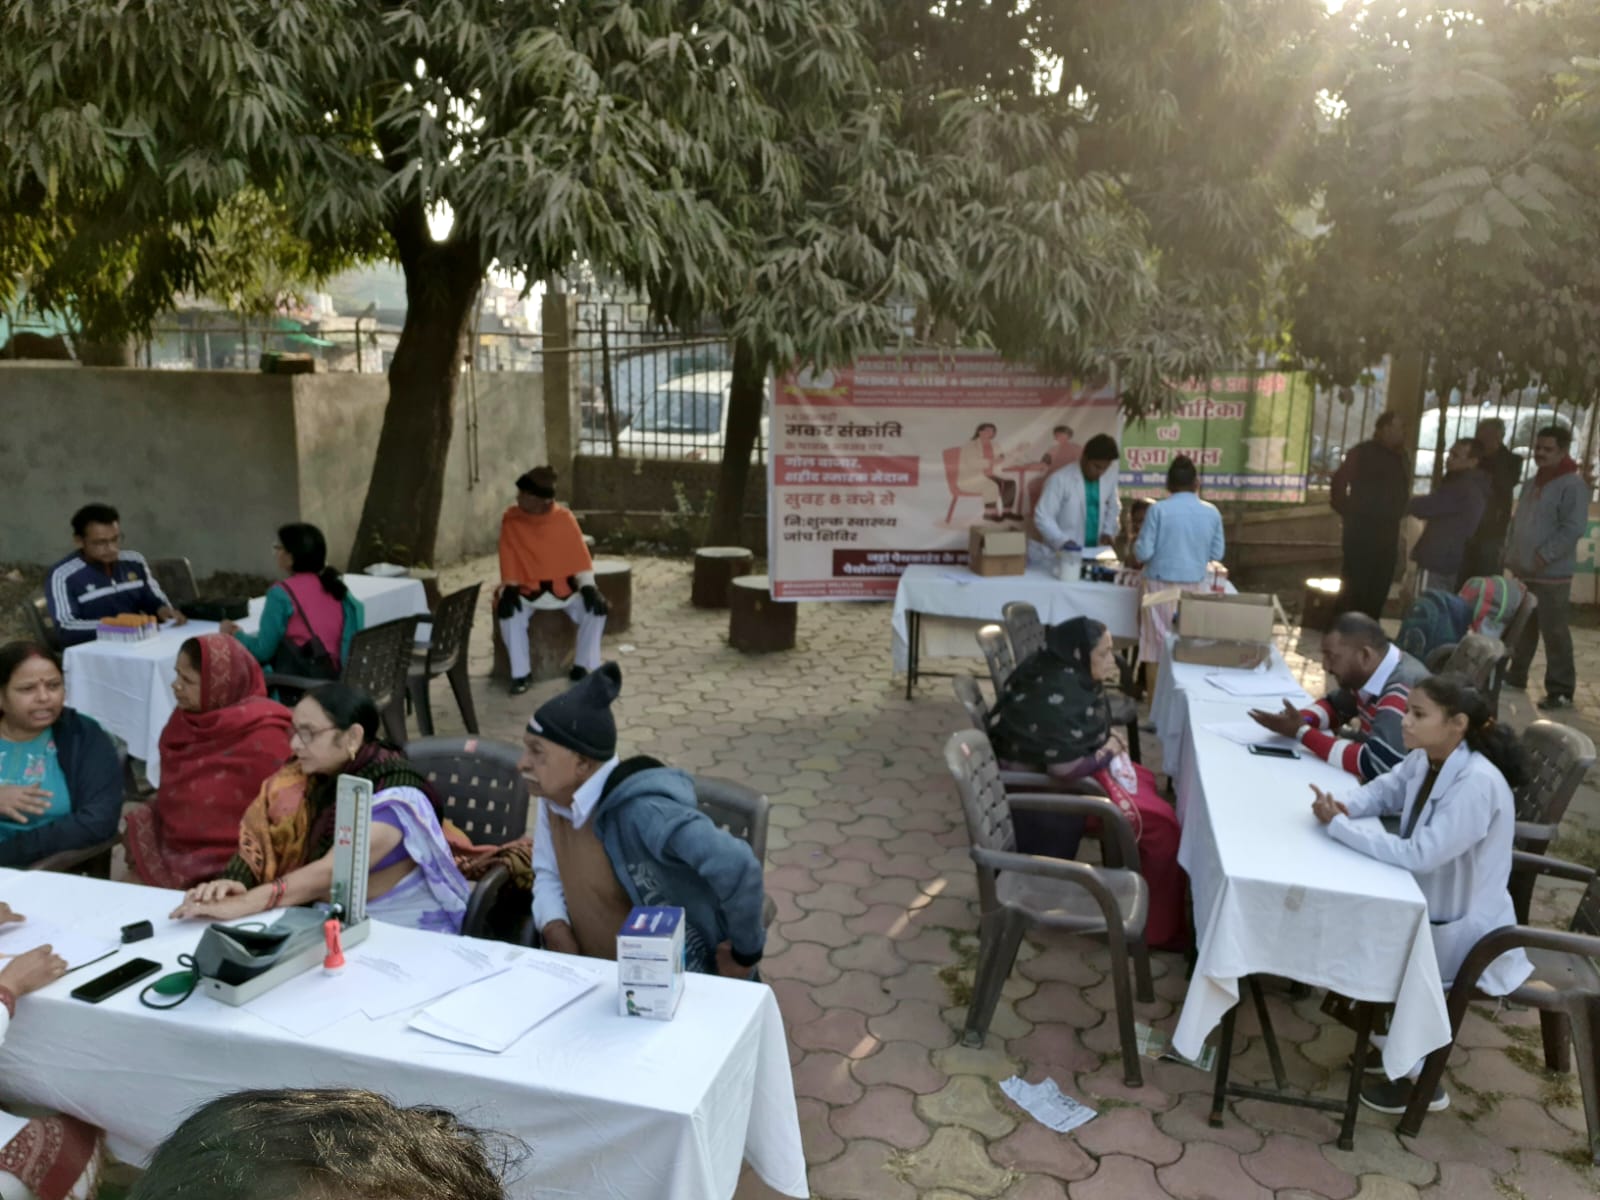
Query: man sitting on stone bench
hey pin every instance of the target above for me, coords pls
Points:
(544, 564)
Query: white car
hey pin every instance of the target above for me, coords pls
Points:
(686, 417)
(1461, 421)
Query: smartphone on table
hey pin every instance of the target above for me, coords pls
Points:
(1274, 751)
(113, 981)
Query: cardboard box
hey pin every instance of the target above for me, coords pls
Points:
(1245, 617)
(1218, 652)
(650, 955)
(998, 548)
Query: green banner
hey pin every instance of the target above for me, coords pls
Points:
(1249, 432)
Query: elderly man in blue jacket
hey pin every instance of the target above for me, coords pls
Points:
(613, 834)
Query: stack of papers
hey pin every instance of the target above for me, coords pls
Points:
(375, 984)
(494, 1013)
(78, 949)
(1253, 683)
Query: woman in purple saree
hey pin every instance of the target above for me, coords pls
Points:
(286, 838)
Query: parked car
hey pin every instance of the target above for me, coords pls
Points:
(1522, 424)
(686, 417)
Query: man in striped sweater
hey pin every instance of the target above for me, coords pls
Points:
(1375, 679)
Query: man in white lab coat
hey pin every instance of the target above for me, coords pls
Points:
(1079, 506)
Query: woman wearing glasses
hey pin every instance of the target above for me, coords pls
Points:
(286, 838)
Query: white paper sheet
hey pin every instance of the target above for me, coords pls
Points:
(1253, 683)
(375, 984)
(495, 1012)
(1048, 1105)
(77, 948)
(1248, 733)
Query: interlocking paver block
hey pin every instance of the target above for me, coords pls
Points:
(1129, 1131)
(1208, 1171)
(1120, 1178)
(1287, 1161)
(1037, 1148)
(971, 1102)
(841, 1030)
(862, 1172)
(904, 1064)
(956, 1159)
(858, 990)
(885, 1113)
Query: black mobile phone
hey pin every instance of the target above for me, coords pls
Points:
(1274, 751)
(114, 980)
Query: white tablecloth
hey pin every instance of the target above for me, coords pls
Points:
(955, 593)
(1273, 894)
(127, 687)
(608, 1106)
(1175, 679)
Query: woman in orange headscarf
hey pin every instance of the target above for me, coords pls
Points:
(223, 740)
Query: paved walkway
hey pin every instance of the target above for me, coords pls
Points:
(872, 953)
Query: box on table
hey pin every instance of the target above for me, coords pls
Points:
(650, 952)
(1244, 617)
(997, 548)
(1221, 652)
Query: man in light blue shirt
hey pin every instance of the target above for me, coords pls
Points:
(1181, 538)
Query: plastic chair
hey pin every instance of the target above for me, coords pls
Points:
(175, 577)
(1520, 619)
(1564, 988)
(1478, 657)
(952, 469)
(1023, 627)
(379, 665)
(483, 794)
(446, 655)
(37, 611)
(1558, 758)
(1017, 891)
(996, 648)
(742, 811)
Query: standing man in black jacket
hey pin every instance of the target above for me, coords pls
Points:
(1486, 550)
(1370, 491)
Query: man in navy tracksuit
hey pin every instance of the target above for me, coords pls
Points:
(101, 579)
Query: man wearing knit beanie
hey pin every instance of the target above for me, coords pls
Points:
(613, 834)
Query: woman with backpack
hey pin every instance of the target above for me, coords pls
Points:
(310, 617)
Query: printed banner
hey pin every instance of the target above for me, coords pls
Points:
(1248, 432)
(889, 462)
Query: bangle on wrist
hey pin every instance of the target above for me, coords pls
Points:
(9, 999)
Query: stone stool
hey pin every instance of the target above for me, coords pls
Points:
(714, 568)
(614, 578)
(552, 643)
(758, 624)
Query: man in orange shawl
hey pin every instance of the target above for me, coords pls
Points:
(544, 563)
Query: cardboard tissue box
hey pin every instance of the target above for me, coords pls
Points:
(1220, 652)
(650, 963)
(997, 548)
(1245, 617)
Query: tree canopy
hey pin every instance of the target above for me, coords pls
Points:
(1459, 195)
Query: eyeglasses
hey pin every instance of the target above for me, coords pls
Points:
(298, 733)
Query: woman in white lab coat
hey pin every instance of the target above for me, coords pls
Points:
(1452, 795)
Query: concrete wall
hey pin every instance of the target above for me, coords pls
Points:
(200, 464)
(208, 464)
(640, 497)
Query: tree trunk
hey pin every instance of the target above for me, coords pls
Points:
(746, 402)
(400, 519)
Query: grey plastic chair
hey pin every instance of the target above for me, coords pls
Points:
(176, 578)
(379, 665)
(1016, 891)
(446, 654)
(996, 647)
(37, 611)
(742, 811)
(1023, 627)
(1478, 657)
(1519, 619)
(1564, 988)
(1558, 757)
(483, 794)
